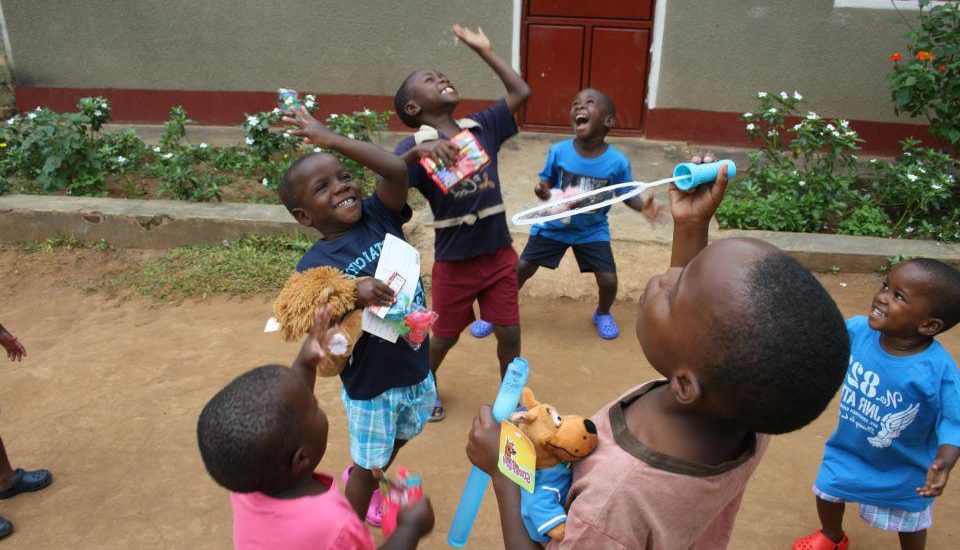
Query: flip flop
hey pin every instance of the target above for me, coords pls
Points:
(26, 482)
(606, 327)
(481, 328)
(819, 541)
(5, 528)
(437, 415)
(375, 509)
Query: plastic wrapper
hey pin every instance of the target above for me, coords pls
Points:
(406, 489)
(288, 100)
(471, 158)
(412, 322)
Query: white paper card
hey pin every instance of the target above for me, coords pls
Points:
(272, 325)
(396, 256)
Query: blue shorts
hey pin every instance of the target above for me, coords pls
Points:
(595, 257)
(374, 424)
(888, 519)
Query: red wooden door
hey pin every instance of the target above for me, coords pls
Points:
(567, 45)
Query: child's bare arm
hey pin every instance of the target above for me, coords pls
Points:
(482, 452)
(691, 212)
(646, 206)
(939, 471)
(392, 190)
(15, 350)
(517, 90)
(314, 348)
(413, 523)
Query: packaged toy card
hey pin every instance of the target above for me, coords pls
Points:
(288, 100)
(471, 158)
(395, 282)
(410, 321)
(518, 456)
(406, 489)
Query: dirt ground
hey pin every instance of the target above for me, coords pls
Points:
(109, 395)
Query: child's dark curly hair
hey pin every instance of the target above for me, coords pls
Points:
(944, 290)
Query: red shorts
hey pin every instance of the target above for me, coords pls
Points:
(490, 279)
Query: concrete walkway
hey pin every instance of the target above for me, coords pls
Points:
(165, 224)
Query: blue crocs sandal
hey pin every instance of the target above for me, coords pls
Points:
(481, 328)
(25, 482)
(606, 327)
(5, 528)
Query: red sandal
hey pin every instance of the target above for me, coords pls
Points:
(819, 541)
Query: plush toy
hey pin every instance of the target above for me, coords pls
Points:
(558, 440)
(303, 295)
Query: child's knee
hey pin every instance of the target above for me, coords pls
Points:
(606, 279)
(507, 334)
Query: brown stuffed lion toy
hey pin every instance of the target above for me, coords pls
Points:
(558, 440)
(300, 299)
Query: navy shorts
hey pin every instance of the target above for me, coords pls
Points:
(595, 257)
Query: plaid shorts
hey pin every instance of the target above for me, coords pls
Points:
(888, 519)
(374, 424)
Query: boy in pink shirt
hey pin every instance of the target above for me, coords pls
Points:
(262, 436)
(748, 343)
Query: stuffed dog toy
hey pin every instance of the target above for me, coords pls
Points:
(300, 299)
(558, 440)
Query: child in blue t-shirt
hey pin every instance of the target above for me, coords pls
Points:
(899, 428)
(388, 390)
(585, 163)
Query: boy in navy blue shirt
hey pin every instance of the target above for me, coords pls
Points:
(899, 428)
(585, 162)
(388, 390)
(474, 260)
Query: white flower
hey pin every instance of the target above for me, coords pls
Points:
(286, 134)
(350, 136)
(265, 182)
(912, 177)
(11, 120)
(761, 95)
(317, 150)
(747, 115)
(309, 104)
(797, 96)
(772, 133)
(98, 112)
(751, 127)
(121, 160)
(367, 112)
(797, 126)
(831, 128)
(276, 111)
(311, 97)
(909, 230)
(873, 161)
(812, 116)
(203, 145)
(252, 120)
(921, 170)
(936, 187)
(844, 123)
(167, 156)
(334, 115)
(32, 115)
(835, 133)
(783, 95)
(801, 183)
(772, 110)
(249, 140)
(156, 149)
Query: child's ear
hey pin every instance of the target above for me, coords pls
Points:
(411, 108)
(685, 386)
(609, 121)
(931, 327)
(302, 217)
(300, 461)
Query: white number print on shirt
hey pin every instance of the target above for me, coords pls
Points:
(861, 403)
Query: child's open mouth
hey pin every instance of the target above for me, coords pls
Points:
(580, 120)
(345, 203)
(447, 90)
(876, 313)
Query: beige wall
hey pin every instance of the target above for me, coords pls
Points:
(331, 46)
(717, 55)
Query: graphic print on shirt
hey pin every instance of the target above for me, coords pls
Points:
(579, 182)
(879, 412)
(473, 185)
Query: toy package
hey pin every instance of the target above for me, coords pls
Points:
(288, 100)
(470, 160)
(406, 489)
(411, 321)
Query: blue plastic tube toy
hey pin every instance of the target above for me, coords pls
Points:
(506, 403)
(692, 175)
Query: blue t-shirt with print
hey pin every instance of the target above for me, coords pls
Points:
(566, 168)
(480, 191)
(376, 365)
(895, 411)
(543, 510)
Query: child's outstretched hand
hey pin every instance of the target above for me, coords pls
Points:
(418, 515)
(476, 40)
(311, 129)
(314, 347)
(650, 208)
(937, 476)
(15, 350)
(483, 440)
(698, 205)
(374, 292)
